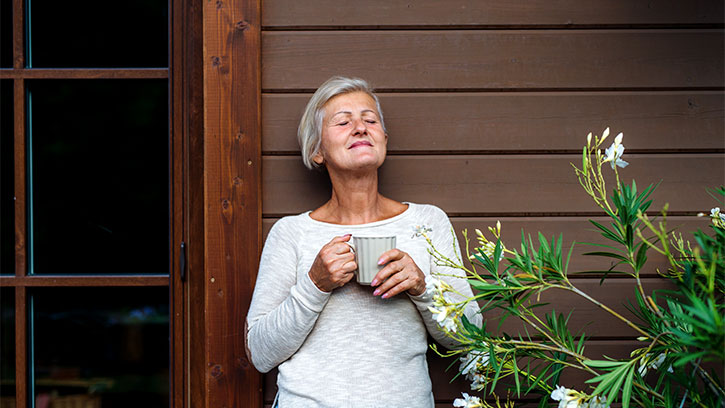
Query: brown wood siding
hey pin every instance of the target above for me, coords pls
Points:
(521, 184)
(538, 122)
(496, 59)
(377, 13)
(486, 104)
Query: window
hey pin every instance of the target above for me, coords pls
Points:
(87, 223)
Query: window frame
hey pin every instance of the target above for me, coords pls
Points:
(214, 134)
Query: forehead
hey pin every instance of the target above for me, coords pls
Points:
(353, 102)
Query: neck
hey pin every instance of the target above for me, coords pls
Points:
(355, 199)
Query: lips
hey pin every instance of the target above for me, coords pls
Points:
(360, 143)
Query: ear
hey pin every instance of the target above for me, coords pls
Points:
(318, 158)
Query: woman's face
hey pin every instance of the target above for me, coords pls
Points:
(352, 136)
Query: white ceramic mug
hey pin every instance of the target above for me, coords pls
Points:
(367, 252)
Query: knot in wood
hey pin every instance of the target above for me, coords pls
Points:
(219, 4)
(243, 362)
(216, 61)
(237, 181)
(216, 371)
(225, 204)
(241, 25)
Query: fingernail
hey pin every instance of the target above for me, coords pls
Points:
(377, 291)
(374, 283)
(385, 296)
(380, 261)
(347, 235)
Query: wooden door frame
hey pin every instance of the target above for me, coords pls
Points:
(224, 161)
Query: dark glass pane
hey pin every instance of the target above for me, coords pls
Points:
(7, 347)
(86, 33)
(7, 204)
(98, 176)
(6, 33)
(100, 347)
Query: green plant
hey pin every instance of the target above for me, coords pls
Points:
(679, 329)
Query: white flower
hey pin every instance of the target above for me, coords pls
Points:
(489, 249)
(559, 393)
(445, 318)
(650, 363)
(614, 153)
(567, 398)
(471, 361)
(467, 401)
(478, 380)
(420, 230)
(598, 402)
(431, 285)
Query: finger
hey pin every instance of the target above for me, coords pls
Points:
(342, 248)
(390, 283)
(391, 255)
(397, 289)
(341, 238)
(347, 277)
(348, 266)
(387, 271)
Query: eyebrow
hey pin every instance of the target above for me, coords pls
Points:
(350, 113)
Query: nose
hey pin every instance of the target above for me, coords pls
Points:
(359, 127)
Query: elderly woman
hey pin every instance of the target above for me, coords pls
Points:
(338, 343)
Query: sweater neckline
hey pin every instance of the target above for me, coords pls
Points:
(366, 225)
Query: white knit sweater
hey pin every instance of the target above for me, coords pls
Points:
(347, 348)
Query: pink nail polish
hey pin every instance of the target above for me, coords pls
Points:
(385, 296)
(374, 282)
(380, 261)
(377, 291)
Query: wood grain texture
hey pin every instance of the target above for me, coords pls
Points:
(85, 281)
(21, 348)
(498, 12)
(18, 38)
(72, 73)
(232, 149)
(545, 59)
(510, 122)
(21, 254)
(515, 184)
(576, 231)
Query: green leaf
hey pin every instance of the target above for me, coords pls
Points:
(608, 255)
(604, 363)
(627, 390)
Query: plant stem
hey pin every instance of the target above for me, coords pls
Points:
(605, 307)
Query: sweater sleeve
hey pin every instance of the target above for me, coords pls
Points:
(444, 240)
(283, 309)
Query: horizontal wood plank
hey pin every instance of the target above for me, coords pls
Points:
(510, 122)
(85, 280)
(498, 12)
(515, 184)
(575, 231)
(85, 73)
(472, 59)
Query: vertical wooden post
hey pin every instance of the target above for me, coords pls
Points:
(232, 199)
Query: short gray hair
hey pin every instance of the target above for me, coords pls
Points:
(309, 132)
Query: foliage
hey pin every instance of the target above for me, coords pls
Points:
(679, 329)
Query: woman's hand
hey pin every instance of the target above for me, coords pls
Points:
(400, 274)
(334, 265)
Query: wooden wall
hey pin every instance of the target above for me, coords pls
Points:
(487, 102)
